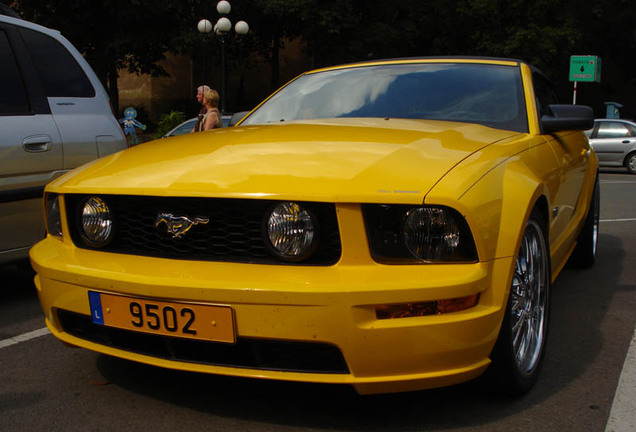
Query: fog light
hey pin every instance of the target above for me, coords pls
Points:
(290, 231)
(96, 222)
(435, 307)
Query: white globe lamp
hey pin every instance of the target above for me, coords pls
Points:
(241, 28)
(223, 7)
(204, 26)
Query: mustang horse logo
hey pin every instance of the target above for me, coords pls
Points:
(177, 226)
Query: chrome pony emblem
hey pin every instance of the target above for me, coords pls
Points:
(177, 226)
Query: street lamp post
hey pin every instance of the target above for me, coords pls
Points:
(204, 26)
(222, 27)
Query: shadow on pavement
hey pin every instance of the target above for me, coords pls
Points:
(580, 301)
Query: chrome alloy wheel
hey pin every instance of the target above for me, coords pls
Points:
(529, 299)
(630, 164)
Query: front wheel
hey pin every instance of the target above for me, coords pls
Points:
(584, 253)
(520, 348)
(630, 163)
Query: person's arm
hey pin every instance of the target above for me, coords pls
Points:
(210, 120)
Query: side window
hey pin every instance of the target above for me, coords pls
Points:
(60, 74)
(13, 94)
(544, 93)
(612, 130)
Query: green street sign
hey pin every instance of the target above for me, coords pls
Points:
(585, 69)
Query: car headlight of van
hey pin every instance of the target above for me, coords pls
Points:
(402, 234)
(96, 222)
(290, 231)
(53, 216)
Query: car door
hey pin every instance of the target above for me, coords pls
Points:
(571, 155)
(78, 101)
(612, 140)
(30, 148)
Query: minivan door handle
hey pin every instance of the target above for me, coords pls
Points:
(37, 143)
(626, 142)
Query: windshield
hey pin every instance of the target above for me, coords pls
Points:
(476, 93)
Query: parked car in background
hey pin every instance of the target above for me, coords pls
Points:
(183, 128)
(54, 116)
(186, 126)
(614, 141)
(392, 225)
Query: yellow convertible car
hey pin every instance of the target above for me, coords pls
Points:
(392, 225)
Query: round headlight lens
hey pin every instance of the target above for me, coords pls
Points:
(96, 222)
(431, 233)
(291, 231)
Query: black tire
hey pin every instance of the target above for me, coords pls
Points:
(630, 163)
(584, 253)
(520, 348)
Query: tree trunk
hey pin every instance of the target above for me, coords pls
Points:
(113, 88)
(275, 60)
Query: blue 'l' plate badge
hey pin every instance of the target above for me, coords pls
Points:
(95, 301)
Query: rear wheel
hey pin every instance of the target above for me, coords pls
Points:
(585, 252)
(630, 163)
(520, 348)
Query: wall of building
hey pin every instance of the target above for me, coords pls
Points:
(248, 82)
(159, 95)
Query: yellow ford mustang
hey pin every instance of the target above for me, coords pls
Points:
(393, 225)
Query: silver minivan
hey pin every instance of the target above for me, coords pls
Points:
(54, 116)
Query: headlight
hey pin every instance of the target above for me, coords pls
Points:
(96, 222)
(290, 231)
(53, 217)
(402, 234)
(431, 233)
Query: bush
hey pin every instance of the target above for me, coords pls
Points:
(167, 122)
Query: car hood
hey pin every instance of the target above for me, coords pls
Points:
(342, 160)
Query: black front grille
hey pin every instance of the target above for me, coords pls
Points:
(246, 353)
(234, 232)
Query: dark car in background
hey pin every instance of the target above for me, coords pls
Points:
(614, 141)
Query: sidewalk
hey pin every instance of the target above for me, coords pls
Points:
(623, 415)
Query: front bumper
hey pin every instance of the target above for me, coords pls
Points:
(327, 306)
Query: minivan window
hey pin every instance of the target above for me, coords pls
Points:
(58, 70)
(13, 95)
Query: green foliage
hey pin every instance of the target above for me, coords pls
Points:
(168, 122)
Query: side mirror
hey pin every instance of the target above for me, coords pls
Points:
(237, 117)
(567, 117)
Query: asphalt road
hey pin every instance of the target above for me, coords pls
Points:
(45, 386)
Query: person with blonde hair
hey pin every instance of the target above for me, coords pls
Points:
(212, 117)
(200, 90)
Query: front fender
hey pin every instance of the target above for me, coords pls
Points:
(497, 202)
